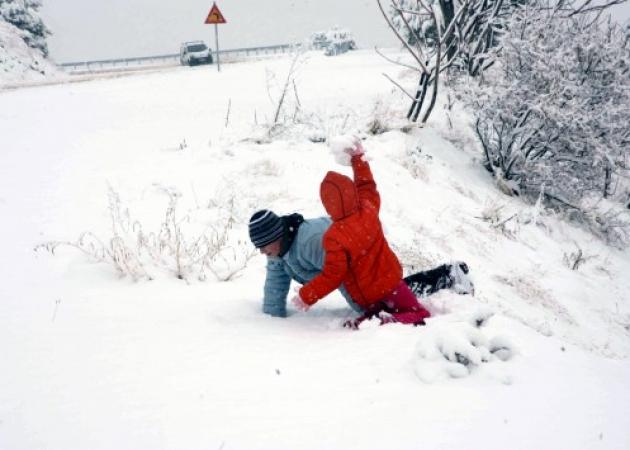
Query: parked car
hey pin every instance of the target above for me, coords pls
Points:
(194, 52)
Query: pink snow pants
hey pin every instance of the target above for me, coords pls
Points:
(403, 305)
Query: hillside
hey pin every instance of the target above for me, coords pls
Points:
(19, 62)
(95, 360)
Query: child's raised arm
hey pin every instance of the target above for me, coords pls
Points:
(363, 178)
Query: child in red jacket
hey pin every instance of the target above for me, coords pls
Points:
(357, 253)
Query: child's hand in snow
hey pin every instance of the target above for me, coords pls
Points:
(299, 304)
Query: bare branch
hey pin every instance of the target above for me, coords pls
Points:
(411, 30)
(402, 39)
(393, 61)
(438, 60)
(584, 8)
(399, 87)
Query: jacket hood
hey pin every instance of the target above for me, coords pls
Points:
(339, 195)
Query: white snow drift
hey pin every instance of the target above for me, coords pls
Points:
(95, 360)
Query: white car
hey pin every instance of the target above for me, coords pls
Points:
(194, 52)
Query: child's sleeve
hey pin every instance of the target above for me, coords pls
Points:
(332, 274)
(364, 181)
(276, 288)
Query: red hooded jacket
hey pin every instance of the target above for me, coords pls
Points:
(357, 253)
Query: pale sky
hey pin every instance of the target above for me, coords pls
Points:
(91, 29)
(105, 29)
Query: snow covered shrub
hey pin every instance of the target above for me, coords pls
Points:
(553, 115)
(416, 162)
(23, 47)
(573, 260)
(190, 245)
(199, 241)
(23, 14)
(291, 119)
(384, 117)
(492, 213)
(120, 250)
(287, 108)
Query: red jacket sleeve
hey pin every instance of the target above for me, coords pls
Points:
(364, 181)
(331, 276)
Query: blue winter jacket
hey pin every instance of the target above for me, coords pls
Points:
(302, 263)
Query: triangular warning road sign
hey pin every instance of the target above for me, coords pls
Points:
(215, 16)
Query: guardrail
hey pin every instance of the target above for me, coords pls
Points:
(170, 59)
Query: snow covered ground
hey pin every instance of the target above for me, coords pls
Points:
(93, 360)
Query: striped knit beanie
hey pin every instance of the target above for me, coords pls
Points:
(264, 228)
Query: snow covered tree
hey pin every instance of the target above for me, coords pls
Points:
(431, 59)
(476, 29)
(24, 15)
(445, 33)
(552, 116)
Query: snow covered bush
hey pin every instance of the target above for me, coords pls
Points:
(23, 48)
(23, 14)
(282, 91)
(187, 246)
(334, 41)
(552, 116)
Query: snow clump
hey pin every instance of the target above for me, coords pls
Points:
(449, 349)
(338, 146)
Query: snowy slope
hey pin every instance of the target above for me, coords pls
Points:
(92, 360)
(20, 63)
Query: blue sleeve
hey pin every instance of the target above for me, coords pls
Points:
(277, 286)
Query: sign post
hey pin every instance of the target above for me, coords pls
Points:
(215, 17)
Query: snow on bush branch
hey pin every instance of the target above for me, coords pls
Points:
(553, 115)
(202, 240)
